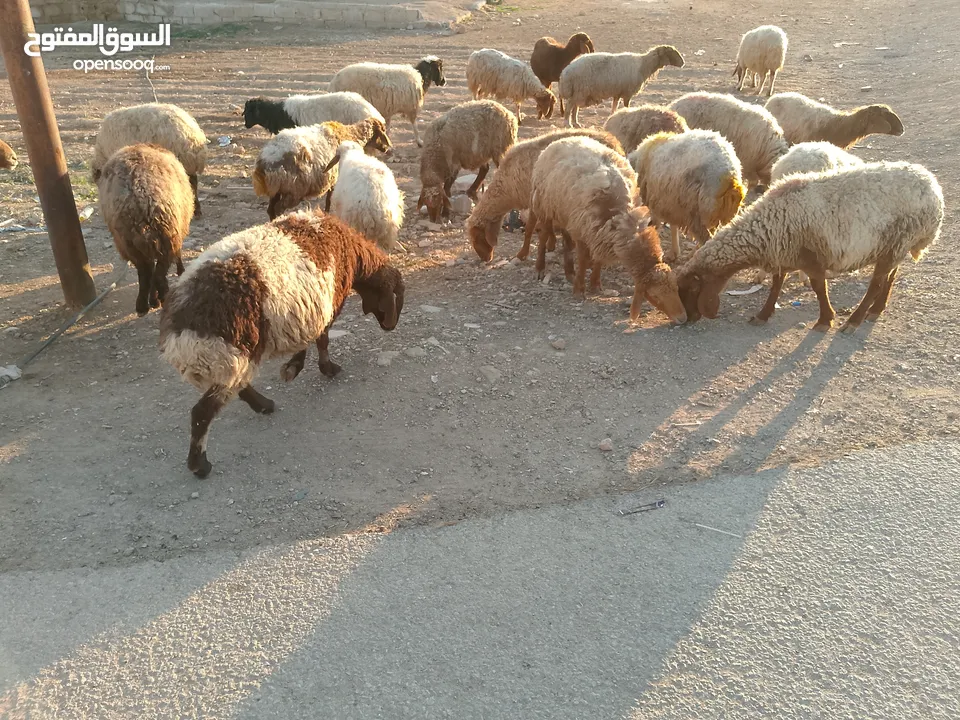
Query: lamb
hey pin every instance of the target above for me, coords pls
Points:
(762, 51)
(366, 195)
(265, 292)
(8, 158)
(691, 180)
(550, 58)
(292, 166)
(345, 108)
(160, 124)
(632, 125)
(491, 73)
(588, 190)
(470, 136)
(147, 202)
(593, 78)
(510, 189)
(753, 132)
(392, 89)
(873, 214)
(806, 120)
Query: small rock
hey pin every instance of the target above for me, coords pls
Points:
(450, 263)
(13, 331)
(386, 357)
(430, 309)
(462, 183)
(807, 58)
(431, 226)
(424, 243)
(194, 496)
(107, 245)
(471, 326)
(334, 334)
(515, 261)
(865, 88)
(606, 445)
(559, 344)
(490, 374)
(111, 500)
(461, 205)
(610, 292)
(415, 352)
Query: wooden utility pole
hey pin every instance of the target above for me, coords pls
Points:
(28, 83)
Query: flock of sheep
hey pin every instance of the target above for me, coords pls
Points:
(273, 289)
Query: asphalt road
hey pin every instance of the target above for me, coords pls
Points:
(831, 592)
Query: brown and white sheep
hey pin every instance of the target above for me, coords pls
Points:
(632, 125)
(293, 165)
(806, 120)
(550, 58)
(265, 292)
(588, 190)
(8, 158)
(510, 189)
(470, 136)
(147, 202)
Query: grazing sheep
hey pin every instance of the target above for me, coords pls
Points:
(491, 73)
(510, 189)
(690, 180)
(874, 214)
(595, 77)
(265, 292)
(810, 157)
(469, 136)
(632, 125)
(806, 120)
(160, 124)
(8, 158)
(366, 195)
(550, 58)
(345, 108)
(588, 190)
(753, 132)
(147, 202)
(392, 89)
(762, 51)
(292, 166)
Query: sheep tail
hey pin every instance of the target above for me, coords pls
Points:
(260, 183)
(728, 200)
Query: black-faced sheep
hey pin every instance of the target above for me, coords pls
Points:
(266, 292)
(838, 221)
(8, 158)
(549, 58)
(595, 77)
(293, 166)
(510, 189)
(762, 52)
(491, 73)
(147, 202)
(588, 191)
(806, 120)
(632, 125)
(470, 136)
(392, 89)
(345, 108)
(160, 124)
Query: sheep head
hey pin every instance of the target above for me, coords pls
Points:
(739, 71)
(581, 42)
(669, 55)
(881, 120)
(382, 294)
(436, 200)
(8, 158)
(657, 283)
(252, 111)
(545, 104)
(700, 293)
(378, 140)
(483, 237)
(431, 70)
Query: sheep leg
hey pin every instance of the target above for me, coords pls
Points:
(201, 416)
(194, 184)
(743, 79)
(416, 131)
(583, 259)
(827, 314)
(327, 366)
(763, 81)
(880, 304)
(180, 267)
(527, 236)
(519, 115)
(568, 246)
(546, 232)
(145, 276)
(257, 402)
(770, 306)
(292, 367)
(595, 285)
(877, 284)
(552, 243)
(561, 101)
(675, 241)
(481, 174)
(773, 79)
(614, 104)
(159, 281)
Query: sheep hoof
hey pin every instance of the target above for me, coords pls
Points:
(420, 143)
(822, 327)
(290, 370)
(142, 308)
(521, 254)
(757, 321)
(330, 369)
(872, 317)
(199, 465)
(848, 329)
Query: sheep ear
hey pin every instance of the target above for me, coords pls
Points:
(332, 163)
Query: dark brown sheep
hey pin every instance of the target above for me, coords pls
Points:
(549, 57)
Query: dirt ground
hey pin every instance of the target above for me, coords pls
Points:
(481, 409)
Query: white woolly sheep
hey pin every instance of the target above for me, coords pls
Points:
(588, 190)
(491, 73)
(292, 166)
(632, 125)
(392, 89)
(510, 189)
(262, 293)
(691, 180)
(595, 77)
(8, 158)
(147, 203)
(160, 124)
(366, 195)
(838, 221)
(762, 52)
(549, 58)
(468, 136)
(346, 108)
(806, 120)
(753, 132)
